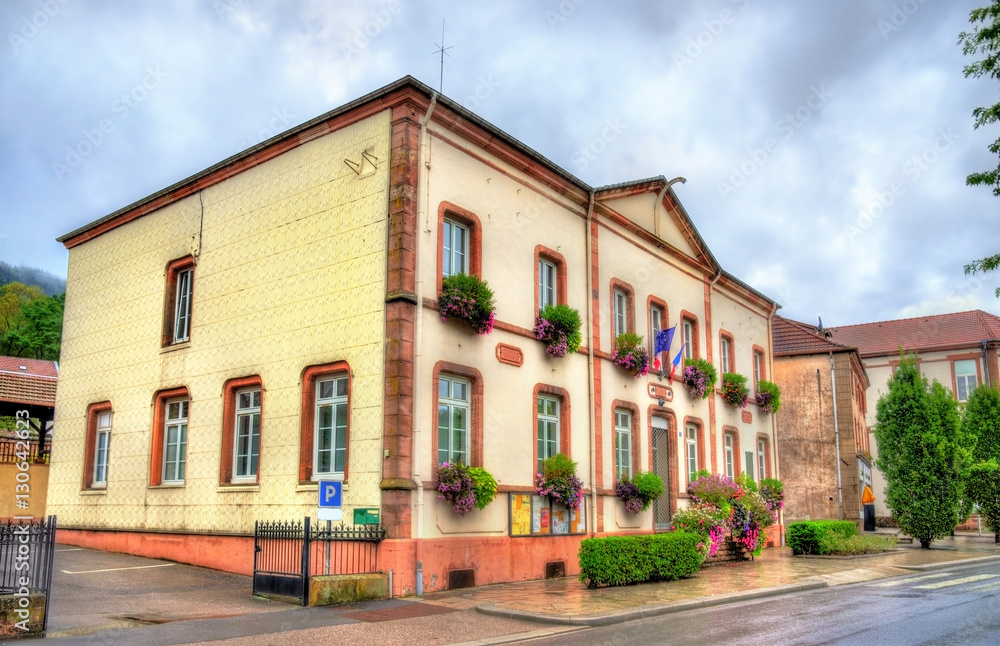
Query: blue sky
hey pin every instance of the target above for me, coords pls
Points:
(825, 143)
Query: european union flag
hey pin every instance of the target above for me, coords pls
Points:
(664, 339)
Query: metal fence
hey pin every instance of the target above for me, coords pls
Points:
(27, 549)
(286, 554)
(12, 450)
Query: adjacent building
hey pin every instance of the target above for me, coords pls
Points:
(272, 321)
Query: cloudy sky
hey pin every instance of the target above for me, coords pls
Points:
(825, 143)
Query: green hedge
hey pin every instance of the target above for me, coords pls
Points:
(625, 560)
(805, 536)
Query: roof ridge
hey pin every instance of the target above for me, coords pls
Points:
(812, 329)
(914, 318)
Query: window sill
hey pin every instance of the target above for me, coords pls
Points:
(94, 492)
(236, 487)
(314, 486)
(168, 485)
(176, 346)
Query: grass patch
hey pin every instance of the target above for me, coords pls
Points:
(836, 544)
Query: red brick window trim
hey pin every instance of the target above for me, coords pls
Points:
(561, 396)
(654, 304)
(308, 430)
(689, 334)
(178, 306)
(159, 429)
(731, 451)
(699, 444)
(620, 289)
(635, 445)
(762, 453)
(759, 365)
(475, 403)
(469, 220)
(230, 390)
(726, 339)
(94, 415)
(558, 262)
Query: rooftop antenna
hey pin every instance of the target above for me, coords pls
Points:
(441, 49)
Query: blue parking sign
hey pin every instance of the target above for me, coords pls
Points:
(329, 493)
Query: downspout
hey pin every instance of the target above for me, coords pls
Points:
(590, 368)
(836, 436)
(423, 160)
(986, 361)
(774, 423)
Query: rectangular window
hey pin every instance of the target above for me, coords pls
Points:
(623, 444)
(761, 459)
(331, 426)
(692, 450)
(182, 311)
(758, 362)
(546, 284)
(453, 420)
(455, 249)
(101, 445)
(655, 327)
(548, 429)
(726, 355)
(730, 459)
(621, 316)
(687, 329)
(175, 441)
(246, 454)
(965, 378)
(748, 463)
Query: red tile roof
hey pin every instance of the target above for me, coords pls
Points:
(922, 333)
(792, 337)
(28, 381)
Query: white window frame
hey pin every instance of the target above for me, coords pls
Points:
(965, 380)
(182, 305)
(547, 290)
(655, 327)
(102, 447)
(691, 442)
(758, 359)
(623, 443)
(730, 456)
(687, 330)
(449, 403)
(548, 427)
(620, 301)
(761, 459)
(748, 463)
(246, 456)
(336, 433)
(175, 428)
(726, 352)
(455, 248)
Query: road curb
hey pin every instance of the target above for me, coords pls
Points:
(651, 610)
(947, 564)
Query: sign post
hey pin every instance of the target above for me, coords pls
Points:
(329, 510)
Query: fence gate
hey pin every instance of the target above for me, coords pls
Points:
(281, 559)
(27, 549)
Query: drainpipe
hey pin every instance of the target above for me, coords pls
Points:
(836, 436)
(774, 423)
(424, 160)
(590, 368)
(986, 361)
(659, 198)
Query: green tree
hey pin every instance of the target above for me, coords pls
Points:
(12, 297)
(984, 42)
(921, 454)
(982, 423)
(983, 488)
(38, 334)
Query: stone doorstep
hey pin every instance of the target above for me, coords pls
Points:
(332, 589)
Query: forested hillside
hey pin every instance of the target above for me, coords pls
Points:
(50, 284)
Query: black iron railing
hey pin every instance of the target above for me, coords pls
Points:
(27, 549)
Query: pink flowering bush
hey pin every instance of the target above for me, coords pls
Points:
(470, 299)
(630, 353)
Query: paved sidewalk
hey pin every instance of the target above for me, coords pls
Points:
(567, 601)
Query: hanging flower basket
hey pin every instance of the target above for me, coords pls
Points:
(558, 326)
(768, 397)
(639, 492)
(699, 378)
(734, 390)
(465, 487)
(559, 482)
(631, 354)
(468, 298)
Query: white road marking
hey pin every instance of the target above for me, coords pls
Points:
(71, 549)
(983, 588)
(946, 584)
(890, 584)
(118, 569)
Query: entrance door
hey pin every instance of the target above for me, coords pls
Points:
(661, 467)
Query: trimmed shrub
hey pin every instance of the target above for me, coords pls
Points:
(834, 543)
(626, 560)
(806, 536)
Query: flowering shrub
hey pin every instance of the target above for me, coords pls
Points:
(707, 520)
(768, 397)
(639, 492)
(699, 376)
(630, 353)
(455, 485)
(772, 491)
(559, 482)
(559, 327)
(717, 490)
(734, 390)
(468, 298)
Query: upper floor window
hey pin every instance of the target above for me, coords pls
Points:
(331, 426)
(246, 453)
(548, 428)
(454, 248)
(965, 378)
(623, 444)
(175, 441)
(727, 354)
(688, 334)
(179, 294)
(758, 366)
(761, 458)
(453, 420)
(546, 284)
(620, 311)
(655, 327)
